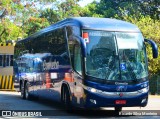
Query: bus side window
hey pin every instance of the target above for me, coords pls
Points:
(77, 59)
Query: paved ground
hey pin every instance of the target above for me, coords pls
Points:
(11, 101)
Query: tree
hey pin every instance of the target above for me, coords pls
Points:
(62, 10)
(51, 15)
(151, 8)
(108, 8)
(5, 8)
(69, 8)
(8, 30)
(35, 24)
(91, 10)
(14, 17)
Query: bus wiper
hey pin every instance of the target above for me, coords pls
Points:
(108, 71)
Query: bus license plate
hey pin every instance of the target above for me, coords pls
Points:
(120, 102)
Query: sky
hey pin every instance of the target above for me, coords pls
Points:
(85, 2)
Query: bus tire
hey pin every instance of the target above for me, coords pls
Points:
(26, 94)
(22, 91)
(118, 109)
(66, 99)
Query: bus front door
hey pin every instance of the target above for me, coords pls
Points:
(77, 65)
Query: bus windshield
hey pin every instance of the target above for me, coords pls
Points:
(115, 55)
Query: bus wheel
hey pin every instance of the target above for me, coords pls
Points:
(22, 91)
(66, 100)
(26, 94)
(118, 109)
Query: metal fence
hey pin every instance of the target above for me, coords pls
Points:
(154, 84)
(158, 85)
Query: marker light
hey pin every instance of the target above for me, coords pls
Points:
(86, 37)
(143, 100)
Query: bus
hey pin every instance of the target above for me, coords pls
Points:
(85, 62)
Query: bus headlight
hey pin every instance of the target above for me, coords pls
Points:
(93, 90)
(144, 90)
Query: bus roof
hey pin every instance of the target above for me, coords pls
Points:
(107, 24)
(93, 23)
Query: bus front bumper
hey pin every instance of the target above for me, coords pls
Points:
(119, 99)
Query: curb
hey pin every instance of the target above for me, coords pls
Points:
(12, 90)
(154, 96)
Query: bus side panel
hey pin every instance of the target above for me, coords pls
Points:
(49, 80)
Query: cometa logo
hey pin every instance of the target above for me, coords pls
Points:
(51, 65)
(121, 88)
(55, 64)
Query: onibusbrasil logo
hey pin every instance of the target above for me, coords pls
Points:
(21, 113)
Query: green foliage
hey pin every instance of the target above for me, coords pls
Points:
(109, 8)
(8, 28)
(9, 31)
(20, 18)
(35, 24)
(153, 64)
(51, 15)
(69, 8)
(62, 10)
(90, 11)
(151, 8)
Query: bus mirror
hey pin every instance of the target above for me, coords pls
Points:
(154, 47)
